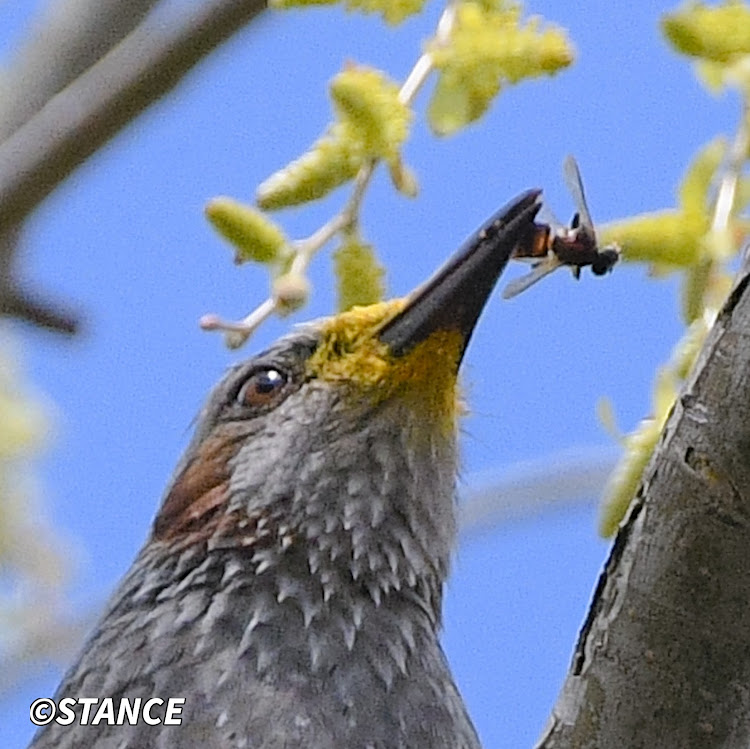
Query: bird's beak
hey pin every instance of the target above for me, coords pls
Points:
(454, 297)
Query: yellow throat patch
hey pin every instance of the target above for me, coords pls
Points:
(424, 378)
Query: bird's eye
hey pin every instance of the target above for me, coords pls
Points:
(262, 388)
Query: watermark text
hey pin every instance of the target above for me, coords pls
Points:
(91, 711)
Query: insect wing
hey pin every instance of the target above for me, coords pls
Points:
(573, 180)
(546, 216)
(514, 288)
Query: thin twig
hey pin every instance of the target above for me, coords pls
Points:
(306, 249)
(730, 180)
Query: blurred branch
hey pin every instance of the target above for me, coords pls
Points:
(532, 488)
(82, 117)
(87, 113)
(67, 38)
(23, 305)
(46, 637)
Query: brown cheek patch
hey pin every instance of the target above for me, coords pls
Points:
(197, 500)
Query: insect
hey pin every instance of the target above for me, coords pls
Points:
(552, 246)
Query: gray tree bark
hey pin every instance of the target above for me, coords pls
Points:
(663, 659)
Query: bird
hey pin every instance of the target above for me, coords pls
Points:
(290, 588)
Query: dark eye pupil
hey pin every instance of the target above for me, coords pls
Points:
(267, 382)
(262, 388)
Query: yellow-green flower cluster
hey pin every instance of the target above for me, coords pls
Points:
(681, 238)
(359, 274)
(253, 235)
(685, 240)
(639, 445)
(393, 11)
(489, 46)
(22, 423)
(718, 38)
(372, 123)
(369, 104)
(718, 33)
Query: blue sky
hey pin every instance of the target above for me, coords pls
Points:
(126, 239)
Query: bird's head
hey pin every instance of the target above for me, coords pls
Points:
(340, 439)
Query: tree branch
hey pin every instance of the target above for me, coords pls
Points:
(82, 117)
(664, 656)
(562, 479)
(68, 37)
